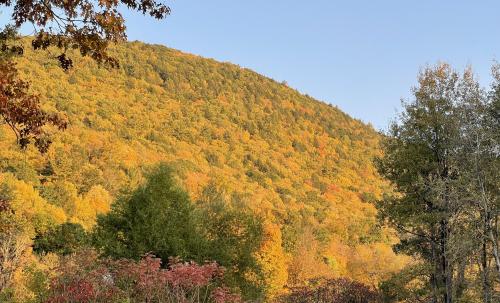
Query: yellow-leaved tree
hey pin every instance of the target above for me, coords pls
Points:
(23, 214)
(273, 262)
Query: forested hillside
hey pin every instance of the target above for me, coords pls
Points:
(303, 166)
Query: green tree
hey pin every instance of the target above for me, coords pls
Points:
(442, 158)
(63, 239)
(493, 124)
(156, 218)
(479, 157)
(234, 237)
(159, 218)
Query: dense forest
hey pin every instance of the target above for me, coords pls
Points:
(176, 155)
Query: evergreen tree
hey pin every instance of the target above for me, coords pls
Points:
(63, 239)
(157, 218)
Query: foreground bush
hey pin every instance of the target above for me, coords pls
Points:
(83, 278)
(333, 291)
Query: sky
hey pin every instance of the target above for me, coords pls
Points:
(363, 56)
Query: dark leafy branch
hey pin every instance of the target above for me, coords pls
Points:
(21, 110)
(79, 24)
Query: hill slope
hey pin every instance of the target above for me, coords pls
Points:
(301, 163)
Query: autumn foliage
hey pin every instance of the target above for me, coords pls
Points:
(22, 111)
(84, 278)
(89, 26)
(334, 291)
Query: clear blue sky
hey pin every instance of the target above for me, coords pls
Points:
(362, 56)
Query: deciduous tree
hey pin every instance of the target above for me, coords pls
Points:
(442, 158)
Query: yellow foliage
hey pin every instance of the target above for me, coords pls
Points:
(273, 262)
(307, 263)
(27, 204)
(33, 277)
(374, 263)
(96, 201)
(337, 255)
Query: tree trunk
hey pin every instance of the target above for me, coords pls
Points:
(485, 267)
(434, 279)
(461, 279)
(495, 251)
(446, 272)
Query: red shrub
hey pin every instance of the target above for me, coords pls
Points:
(223, 295)
(190, 275)
(334, 291)
(84, 278)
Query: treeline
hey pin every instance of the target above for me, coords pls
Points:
(442, 156)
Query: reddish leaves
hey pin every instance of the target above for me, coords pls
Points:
(223, 295)
(4, 205)
(334, 291)
(147, 281)
(87, 279)
(79, 290)
(191, 275)
(82, 279)
(21, 110)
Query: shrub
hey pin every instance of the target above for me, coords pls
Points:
(333, 291)
(85, 278)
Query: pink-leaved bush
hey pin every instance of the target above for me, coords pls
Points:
(83, 278)
(333, 291)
